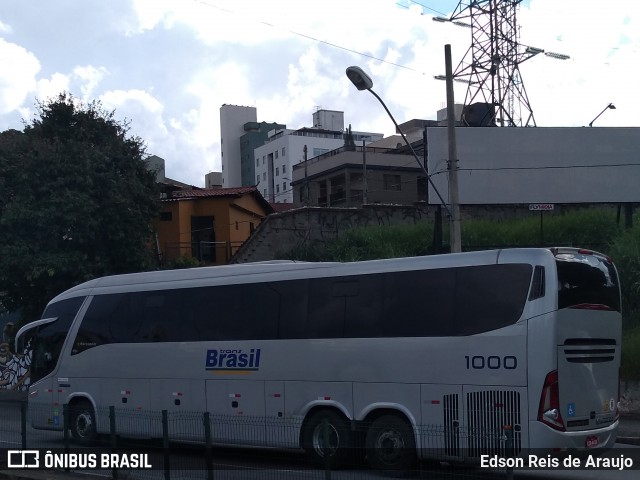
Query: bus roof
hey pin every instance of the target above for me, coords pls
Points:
(290, 270)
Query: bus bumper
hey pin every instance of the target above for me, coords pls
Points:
(545, 438)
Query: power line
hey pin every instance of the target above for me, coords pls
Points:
(544, 167)
(309, 37)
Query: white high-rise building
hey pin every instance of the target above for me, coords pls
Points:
(232, 121)
(285, 148)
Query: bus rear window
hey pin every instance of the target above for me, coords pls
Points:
(587, 280)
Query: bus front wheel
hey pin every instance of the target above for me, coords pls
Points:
(82, 422)
(326, 438)
(390, 444)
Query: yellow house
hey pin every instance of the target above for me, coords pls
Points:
(208, 224)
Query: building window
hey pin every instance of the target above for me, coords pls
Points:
(283, 151)
(264, 176)
(422, 188)
(257, 162)
(277, 188)
(258, 179)
(391, 182)
(277, 171)
(276, 152)
(284, 186)
(284, 168)
(263, 159)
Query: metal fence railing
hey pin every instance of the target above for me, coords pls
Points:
(138, 444)
(170, 445)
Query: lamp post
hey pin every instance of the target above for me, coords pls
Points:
(362, 81)
(611, 106)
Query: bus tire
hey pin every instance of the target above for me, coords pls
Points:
(337, 434)
(390, 444)
(82, 422)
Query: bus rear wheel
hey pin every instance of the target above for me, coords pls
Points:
(82, 422)
(326, 438)
(390, 444)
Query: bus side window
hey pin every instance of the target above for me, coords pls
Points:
(293, 310)
(489, 297)
(325, 311)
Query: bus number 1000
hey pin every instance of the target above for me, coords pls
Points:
(492, 362)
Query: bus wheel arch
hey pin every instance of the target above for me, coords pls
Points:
(313, 435)
(390, 441)
(82, 420)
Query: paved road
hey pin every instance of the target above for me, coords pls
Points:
(235, 464)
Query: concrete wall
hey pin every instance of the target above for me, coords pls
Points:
(314, 226)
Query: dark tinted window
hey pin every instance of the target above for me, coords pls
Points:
(439, 302)
(50, 338)
(586, 279)
(230, 312)
(489, 297)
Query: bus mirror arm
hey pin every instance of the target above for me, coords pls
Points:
(30, 326)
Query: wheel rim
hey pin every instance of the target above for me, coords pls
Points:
(84, 425)
(389, 446)
(319, 442)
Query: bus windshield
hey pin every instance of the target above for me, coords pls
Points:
(50, 337)
(587, 280)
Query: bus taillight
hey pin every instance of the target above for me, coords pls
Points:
(592, 306)
(549, 410)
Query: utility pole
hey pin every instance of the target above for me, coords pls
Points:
(306, 179)
(454, 221)
(364, 175)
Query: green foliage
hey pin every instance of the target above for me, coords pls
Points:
(349, 142)
(77, 202)
(625, 251)
(630, 368)
(584, 228)
(368, 243)
(184, 261)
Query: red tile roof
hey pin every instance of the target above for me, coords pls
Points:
(213, 192)
(234, 192)
(281, 207)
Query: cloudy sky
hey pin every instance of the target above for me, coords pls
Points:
(168, 65)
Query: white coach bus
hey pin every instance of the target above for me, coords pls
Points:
(448, 356)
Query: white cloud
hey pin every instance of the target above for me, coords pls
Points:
(17, 75)
(90, 77)
(4, 28)
(48, 88)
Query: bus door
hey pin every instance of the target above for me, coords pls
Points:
(237, 409)
(442, 426)
(44, 409)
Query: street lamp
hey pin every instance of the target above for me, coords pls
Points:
(362, 81)
(610, 106)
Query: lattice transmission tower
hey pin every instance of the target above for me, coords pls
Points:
(491, 66)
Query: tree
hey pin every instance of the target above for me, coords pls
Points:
(349, 142)
(76, 202)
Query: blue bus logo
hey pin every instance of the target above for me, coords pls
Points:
(233, 361)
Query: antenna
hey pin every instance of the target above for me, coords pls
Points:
(495, 93)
